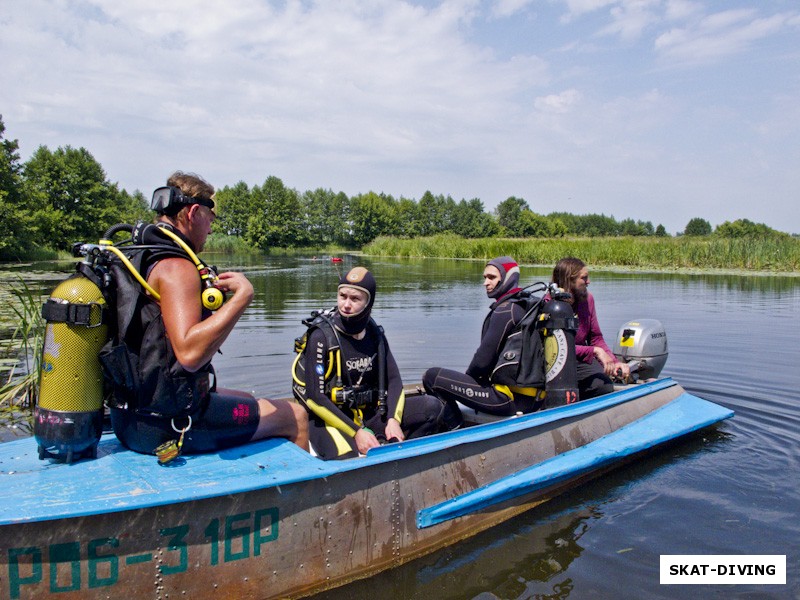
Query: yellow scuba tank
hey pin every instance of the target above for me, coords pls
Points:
(69, 417)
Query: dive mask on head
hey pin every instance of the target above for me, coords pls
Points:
(168, 200)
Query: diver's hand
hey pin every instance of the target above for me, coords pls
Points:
(609, 362)
(365, 440)
(622, 371)
(393, 430)
(236, 284)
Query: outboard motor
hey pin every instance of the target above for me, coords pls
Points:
(642, 343)
(558, 325)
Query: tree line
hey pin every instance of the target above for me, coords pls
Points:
(59, 197)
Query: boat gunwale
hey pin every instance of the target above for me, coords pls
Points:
(316, 468)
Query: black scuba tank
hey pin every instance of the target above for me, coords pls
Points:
(559, 324)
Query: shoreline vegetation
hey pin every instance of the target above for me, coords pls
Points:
(779, 255)
(21, 327)
(770, 256)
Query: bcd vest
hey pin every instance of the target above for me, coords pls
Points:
(521, 362)
(338, 386)
(138, 361)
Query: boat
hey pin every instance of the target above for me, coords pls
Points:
(268, 520)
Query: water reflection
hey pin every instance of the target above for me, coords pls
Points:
(733, 490)
(515, 559)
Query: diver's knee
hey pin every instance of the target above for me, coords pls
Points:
(429, 378)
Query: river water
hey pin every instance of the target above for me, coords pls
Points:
(731, 490)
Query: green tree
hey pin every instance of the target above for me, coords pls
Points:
(372, 215)
(435, 214)
(15, 227)
(234, 207)
(595, 225)
(325, 216)
(744, 228)
(277, 217)
(567, 220)
(68, 196)
(533, 225)
(409, 223)
(661, 231)
(470, 220)
(697, 226)
(559, 229)
(636, 228)
(509, 216)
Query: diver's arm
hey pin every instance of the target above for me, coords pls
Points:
(396, 398)
(195, 340)
(501, 322)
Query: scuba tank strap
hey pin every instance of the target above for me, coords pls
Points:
(87, 314)
(92, 314)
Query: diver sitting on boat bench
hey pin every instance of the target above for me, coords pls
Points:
(347, 378)
(478, 388)
(596, 363)
(172, 334)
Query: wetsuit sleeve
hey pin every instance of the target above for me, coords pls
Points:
(396, 400)
(501, 322)
(318, 361)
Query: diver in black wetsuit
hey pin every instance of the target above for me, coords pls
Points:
(367, 406)
(478, 388)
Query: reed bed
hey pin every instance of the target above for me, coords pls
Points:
(748, 254)
(19, 357)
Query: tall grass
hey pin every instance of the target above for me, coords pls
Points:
(20, 354)
(771, 255)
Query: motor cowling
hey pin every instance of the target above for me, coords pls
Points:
(68, 420)
(558, 325)
(642, 343)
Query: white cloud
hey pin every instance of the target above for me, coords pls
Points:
(577, 8)
(507, 8)
(632, 17)
(558, 103)
(719, 35)
(406, 96)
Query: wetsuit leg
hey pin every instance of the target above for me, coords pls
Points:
(229, 419)
(422, 415)
(453, 386)
(592, 380)
(328, 442)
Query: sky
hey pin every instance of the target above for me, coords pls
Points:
(655, 110)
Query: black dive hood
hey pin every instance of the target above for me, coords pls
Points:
(360, 279)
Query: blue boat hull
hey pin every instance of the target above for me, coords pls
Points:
(268, 520)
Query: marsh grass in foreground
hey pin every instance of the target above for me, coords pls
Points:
(749, 254)
(20, 354)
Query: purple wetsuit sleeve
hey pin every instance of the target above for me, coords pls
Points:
(589, 334)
